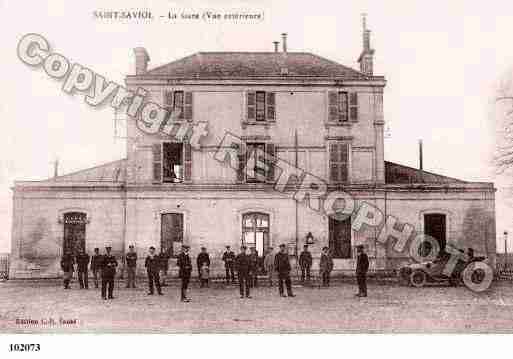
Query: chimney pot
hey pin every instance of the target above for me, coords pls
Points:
(276, 43)
(141, 60)
(284, 41)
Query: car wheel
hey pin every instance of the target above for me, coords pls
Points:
(418, 278)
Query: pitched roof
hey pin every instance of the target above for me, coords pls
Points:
(108, 172)
(255, 64)
(399, 174)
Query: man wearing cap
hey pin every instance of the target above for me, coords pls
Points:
(282, 266)
(362, 266)
(185, 265)
(269, 265)
(109, 265)
(203, 259)
(305, 262)
(83, 273)
(96, 263)
(131, 265)
(152, 265)
(229, 261)
(242, 265)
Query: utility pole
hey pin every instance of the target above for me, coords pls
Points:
(505, 249)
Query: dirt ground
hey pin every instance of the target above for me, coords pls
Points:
(44, 307)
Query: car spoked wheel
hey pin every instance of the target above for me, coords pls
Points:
(478, 276)
(418, 278)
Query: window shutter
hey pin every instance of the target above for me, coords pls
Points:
(353, 106)
(187, 162)
(270, 104)
(157, 162)
(242, 163)
(251, 104)
(188, 106)
(270, 160)
(343, 106)
(334, 170)
(344, 163)
(168, 99)
(332, 106)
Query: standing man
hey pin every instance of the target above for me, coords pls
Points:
(269, 265)
(82, 264)
(253, 268)
(67, 268)
(152, 265)
(203, 260)
(305, 262)
(362, 266)
(229, 261)
(325, 267)
(109, 265)
(243, 264)
(131, 265)
(164, 266)
(282, 266)
(185, 265)
(96, 263)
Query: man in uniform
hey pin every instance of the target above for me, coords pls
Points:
(96, 263)
(229, 261)
(253, 268)
(67, 267)
(242, 265)
(362, 266)
(325, 266)
(203, 259)
(185, 265)
(82, 264)
(131, 265)
(109, 265)
(305, 262)
(152, 265)
(282, 266)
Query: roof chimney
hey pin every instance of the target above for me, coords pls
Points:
(284, 41)
(366, 58)
(276, 43)
(141, 60)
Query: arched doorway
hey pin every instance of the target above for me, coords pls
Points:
(74, 232)
(255, 231)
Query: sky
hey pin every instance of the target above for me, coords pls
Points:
(442, 61)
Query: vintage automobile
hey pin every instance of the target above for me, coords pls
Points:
(419, 274)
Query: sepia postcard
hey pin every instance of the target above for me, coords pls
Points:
(242, 167)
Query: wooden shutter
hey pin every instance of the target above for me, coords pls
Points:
(188, 106)
(251, 104)
(270, 104)
(270, 150)
(157, 162)
(241, 173)
(332, 106)
(353, 106)
(343, 164)
(334, 169)
(343, 106)
(187, 162)
(168, 100)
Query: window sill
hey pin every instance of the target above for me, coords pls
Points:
(340, 124)
(266, 124)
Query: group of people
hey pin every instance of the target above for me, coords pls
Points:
(245, 265)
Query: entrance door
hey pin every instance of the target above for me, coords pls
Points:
(171, 233)
(340, 238)
(255, 232)
(74, 232)
(434, 226)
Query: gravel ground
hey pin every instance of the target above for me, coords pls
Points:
(390, 308)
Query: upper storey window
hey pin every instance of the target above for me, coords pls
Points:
(179, 101)
(261, 106)
(343, 106)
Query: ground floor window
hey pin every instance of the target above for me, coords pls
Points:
(255, 231)
(340, 238)
(171, 233)
(74, 232)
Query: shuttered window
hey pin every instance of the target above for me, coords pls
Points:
(180, 101)
(342, 106)
(261, 106)
(339, 162)
(172, 162)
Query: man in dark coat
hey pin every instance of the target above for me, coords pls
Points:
(242, 265)
(362, 266)
(83, 273)
(202, 259)
(282, 266)
(253, 269)
(229, 262)
(152, 265)
(185, 265)
(109, 264)
(67, 263)
(305, 262)
(131, 266)
(96, 263)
